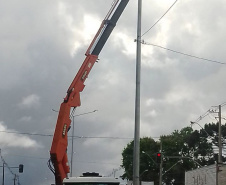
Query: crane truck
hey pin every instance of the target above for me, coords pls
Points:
(58, 153)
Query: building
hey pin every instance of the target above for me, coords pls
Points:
(207, 175)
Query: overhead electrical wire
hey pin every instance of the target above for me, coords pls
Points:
(25, 133)
(159, 19)
(209, 111)
(78, 137)
(189, 55)
(75, 137)
(178, 52)
(90, 137)
(203, 115)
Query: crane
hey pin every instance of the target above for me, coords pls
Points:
(58, 152)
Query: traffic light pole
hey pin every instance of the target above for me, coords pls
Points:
(160, 169)
(3, 174)
(21, 166)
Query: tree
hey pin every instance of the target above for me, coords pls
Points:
(182, 150)
(148, 168)
(210, 131)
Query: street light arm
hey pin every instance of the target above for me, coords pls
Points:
(84, 113)
(171, 167)
(143, 152)
(193, 122)
(143, 173)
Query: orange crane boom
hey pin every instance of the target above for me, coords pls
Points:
(58, 152)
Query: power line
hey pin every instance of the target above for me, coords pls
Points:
(159, 19)
(101, 137)
(203, 116)
(75, 137)
(209, 111)
(189, 55)
(25, 133)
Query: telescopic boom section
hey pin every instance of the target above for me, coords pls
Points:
(58, 152)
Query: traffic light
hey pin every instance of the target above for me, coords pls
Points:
(158, 157)
(21, 168)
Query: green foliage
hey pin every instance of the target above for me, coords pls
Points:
(182, 150)
(148, 168)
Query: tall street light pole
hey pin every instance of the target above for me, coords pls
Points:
(136, 151)
(72, 139)
(72, 145)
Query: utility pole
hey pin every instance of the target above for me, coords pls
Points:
(219, 137)
(136, 151)
(219, 146)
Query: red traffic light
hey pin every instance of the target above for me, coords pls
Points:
(158, 157)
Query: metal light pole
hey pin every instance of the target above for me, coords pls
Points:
(136, 152)
(72, 144)
(72, 140)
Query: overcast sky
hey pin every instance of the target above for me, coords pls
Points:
(42, 46)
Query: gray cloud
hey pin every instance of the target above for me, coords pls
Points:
(42, 46)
